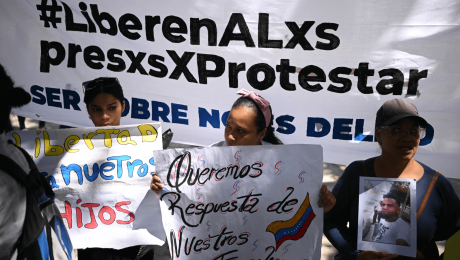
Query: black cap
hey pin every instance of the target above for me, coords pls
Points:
(392, 196)
(395, 109)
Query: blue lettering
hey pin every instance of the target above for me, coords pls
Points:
(120, 160)
(131, 166)
(157, 113)
(283, 126)
(38, 97)
(71, 98)
(143, 170)
(177, 115)
(324, 127)
(152, 161)
(93, 177)
(359, 129)
(126, 111)
(225, 117)
(205, 117)
(140, 109)
(428, 137)
(51, 180)
(65, 171)
(342, 129)
(52, 96)
(103, 166)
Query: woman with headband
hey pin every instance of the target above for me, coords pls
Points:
(249, 123)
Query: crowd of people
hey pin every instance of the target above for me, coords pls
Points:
(398, 128)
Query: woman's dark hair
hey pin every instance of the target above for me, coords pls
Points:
(101, 85)
(260, 119)
(11, 97)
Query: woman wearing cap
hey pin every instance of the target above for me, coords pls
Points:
(398, 130)
(249, 123)
(105, 104)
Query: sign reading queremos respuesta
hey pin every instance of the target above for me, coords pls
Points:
(251, 202)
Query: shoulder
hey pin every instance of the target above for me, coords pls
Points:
(13, 152)
(351, 173)
(441, 182)
(356, 168)
(266, 143)
(402, 223)
(350, 177)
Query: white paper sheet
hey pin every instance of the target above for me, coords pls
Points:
(250, 202)
(101, 178)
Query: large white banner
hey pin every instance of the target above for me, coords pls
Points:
(325, 66)
(101, 178)
(242, 202)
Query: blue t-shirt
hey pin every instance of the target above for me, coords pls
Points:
(439, 219)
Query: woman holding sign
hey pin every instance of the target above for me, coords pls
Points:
(250, 123)
(105, 104)
(398, 130)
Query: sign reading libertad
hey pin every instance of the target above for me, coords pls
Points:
(101, 178)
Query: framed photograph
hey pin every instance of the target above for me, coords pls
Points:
(386, 220)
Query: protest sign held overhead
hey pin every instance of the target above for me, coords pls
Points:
(257, 202)
(101, 178)
(325, 66)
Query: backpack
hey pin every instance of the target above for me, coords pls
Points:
(44, 235)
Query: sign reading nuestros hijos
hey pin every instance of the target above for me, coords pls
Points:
(101, 178)
(325, 66)
(242, 202)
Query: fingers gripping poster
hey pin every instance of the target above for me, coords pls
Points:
(101, 178)
(242, 202)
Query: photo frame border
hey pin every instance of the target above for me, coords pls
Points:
(381, 247)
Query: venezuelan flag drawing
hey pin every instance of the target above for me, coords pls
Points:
(295, 228)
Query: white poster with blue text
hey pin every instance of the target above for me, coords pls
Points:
(325, 66)
(101, 178)
(242, 202)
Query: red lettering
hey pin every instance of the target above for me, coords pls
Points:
(79, 222)
(119, 208)
(68, 214)
(111, 213)
(93, 223)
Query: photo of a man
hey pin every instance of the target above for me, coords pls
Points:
(392, 229)
(385, 211)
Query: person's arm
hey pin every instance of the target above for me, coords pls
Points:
(448, 222)
(335, 221)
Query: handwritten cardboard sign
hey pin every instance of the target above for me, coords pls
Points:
(247, 202)
(101, 178)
